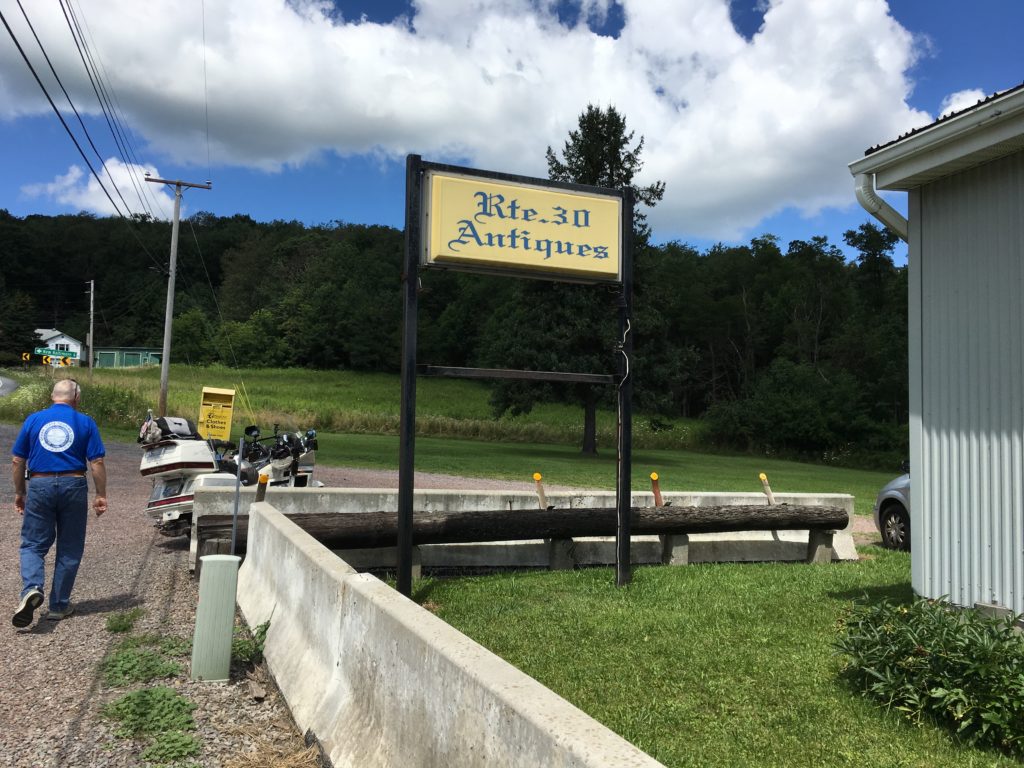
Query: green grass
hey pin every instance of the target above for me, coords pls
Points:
(706, 665)
(565, 465)
(365, 409)
(346, 401)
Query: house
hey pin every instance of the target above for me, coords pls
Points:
(59, 345)
(126, 357)
(964, 176)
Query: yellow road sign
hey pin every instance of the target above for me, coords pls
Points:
(66, 360)
(47, 360)
(26, 356)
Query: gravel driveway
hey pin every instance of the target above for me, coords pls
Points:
(50, 688)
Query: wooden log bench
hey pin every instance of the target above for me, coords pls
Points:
(358, 530)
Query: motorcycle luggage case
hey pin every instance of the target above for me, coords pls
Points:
(175, 426)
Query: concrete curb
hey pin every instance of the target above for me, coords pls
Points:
(751, 546)
(382, 682)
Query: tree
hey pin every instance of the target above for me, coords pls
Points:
(570, 327)
(598, 153)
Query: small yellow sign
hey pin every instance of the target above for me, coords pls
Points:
(477, 223)
(215, 413)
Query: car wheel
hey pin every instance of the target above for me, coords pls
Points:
(895, 524)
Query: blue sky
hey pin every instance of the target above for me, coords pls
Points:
(750, 110)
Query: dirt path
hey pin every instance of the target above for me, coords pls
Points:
(50, 688)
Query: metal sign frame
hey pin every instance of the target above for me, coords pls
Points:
(415, 173)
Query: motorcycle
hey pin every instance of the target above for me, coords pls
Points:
(181, 461)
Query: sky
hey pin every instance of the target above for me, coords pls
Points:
(750, 110)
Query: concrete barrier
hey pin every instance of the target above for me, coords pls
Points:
(382, 682)
(751, 546)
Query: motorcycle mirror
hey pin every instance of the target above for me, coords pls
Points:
(252, 432)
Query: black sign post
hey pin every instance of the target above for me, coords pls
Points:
(415, 169)
(623, 484)
(407, 423)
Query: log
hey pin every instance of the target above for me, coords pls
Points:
(358, 530)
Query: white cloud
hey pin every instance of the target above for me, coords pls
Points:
(960, 100)
(80, 190)
(737, 129)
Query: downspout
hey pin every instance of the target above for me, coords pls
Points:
(864, 184)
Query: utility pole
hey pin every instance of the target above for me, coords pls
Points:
(165, 358)
(92, 314)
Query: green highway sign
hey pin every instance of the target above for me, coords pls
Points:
(55, 352)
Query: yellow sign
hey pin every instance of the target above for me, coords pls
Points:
(215, 413)
(480, 224)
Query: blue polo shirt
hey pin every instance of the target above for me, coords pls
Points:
(58, 439)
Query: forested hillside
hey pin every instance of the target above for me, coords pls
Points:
(784, 348)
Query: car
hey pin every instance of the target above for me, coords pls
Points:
(892, 513)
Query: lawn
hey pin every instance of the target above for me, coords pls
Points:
(565, 465)
(704, 665)
(356, 416)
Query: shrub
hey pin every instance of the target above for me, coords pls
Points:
(928, 660)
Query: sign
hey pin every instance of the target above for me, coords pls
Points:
(215, 413)
(65, 361)
(55, 352)
(25, 356)
(482, 222)
(47, 360)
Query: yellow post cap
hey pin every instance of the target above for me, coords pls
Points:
(763, 477)
(537, 476)
(654, 475)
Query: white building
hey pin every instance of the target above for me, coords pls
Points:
(964, 176)
(52, 339)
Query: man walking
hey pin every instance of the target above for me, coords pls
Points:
(57, 443)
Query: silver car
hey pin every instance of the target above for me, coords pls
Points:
(892, 513)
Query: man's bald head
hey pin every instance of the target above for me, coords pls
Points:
(66, 391)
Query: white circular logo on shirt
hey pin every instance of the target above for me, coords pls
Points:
(56, 436)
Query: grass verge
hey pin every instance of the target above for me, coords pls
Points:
(707, 665)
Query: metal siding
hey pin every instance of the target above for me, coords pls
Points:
(967, 280)
(921, 559)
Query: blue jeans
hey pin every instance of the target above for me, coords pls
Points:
(56, 508)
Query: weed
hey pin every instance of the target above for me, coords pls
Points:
(142, 659)
(171, 747)
(248, 649)
(151, 711)
(123, 621)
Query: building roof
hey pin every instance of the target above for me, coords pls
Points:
(51, 333)
(990, 129)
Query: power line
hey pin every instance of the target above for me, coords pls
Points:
(206, 103)
(213, 292)
(115, 107)
(71, 135)
(57, 112)
(104, 101)
(67, 96)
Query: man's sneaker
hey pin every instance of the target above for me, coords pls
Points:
(56, 614)
(26, 608)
